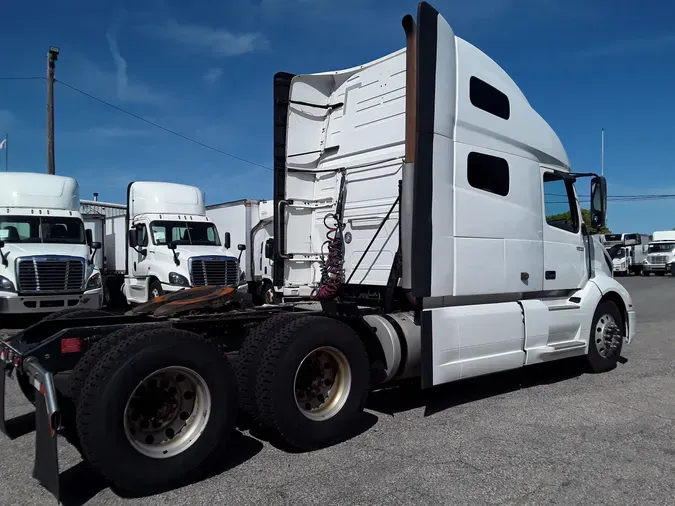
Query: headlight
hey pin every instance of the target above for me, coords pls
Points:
(94, 282)
(178, 279)
(645, 261)
(6, 285)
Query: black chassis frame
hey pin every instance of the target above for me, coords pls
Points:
(36, 352)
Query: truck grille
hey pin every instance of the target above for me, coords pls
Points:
(658, 259)
(214, 271)
(50, 274)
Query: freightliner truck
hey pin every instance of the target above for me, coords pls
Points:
(411, 214)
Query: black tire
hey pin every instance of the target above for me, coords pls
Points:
(275, 382)
(249, 358)
(155, 289)
(102, 402)
(94, 354)
(601, 356)
(267, 295)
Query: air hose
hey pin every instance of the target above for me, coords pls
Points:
(332, 263)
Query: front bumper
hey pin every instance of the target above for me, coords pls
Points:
(654, 267)
(11, 303)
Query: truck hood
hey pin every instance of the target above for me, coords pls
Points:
(38, 249)
(29, 249)
(189, 251)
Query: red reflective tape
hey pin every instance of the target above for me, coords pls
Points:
(43, 391)
(71, 345)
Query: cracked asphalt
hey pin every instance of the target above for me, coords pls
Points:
(546, 435)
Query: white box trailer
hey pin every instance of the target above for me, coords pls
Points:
(249, 222)
(439, 188)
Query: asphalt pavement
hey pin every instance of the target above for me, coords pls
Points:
(545, 435)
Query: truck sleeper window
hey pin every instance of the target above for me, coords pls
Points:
(38, 229)
(182, 232)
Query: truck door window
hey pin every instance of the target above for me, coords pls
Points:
(560, 204)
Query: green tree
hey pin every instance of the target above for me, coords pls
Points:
(586, 215)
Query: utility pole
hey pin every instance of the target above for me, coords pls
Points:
(52, 56)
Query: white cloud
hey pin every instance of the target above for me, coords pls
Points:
(212, 75)
(218, 42)
(126, 89)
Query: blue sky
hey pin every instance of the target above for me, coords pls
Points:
(205, 70)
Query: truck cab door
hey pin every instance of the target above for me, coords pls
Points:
(565, 266)
(139, 255)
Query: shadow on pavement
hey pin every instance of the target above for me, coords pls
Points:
(20, 425)
(364, 424)
(409, 395)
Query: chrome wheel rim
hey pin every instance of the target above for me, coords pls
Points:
(154, 293)
(167, 412)
(322, 383)
(607, 336)
(269, 296)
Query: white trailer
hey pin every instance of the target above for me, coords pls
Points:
(448, 256)
(160, 241)
(661, 252)
(44, 248)
(250, 223)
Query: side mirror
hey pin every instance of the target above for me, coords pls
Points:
(269, 248)
(226, 240)
(171, 245)
(241, 247)
(88, 235)
(598, 202)
(96, 245)
(132, 238)
(2, 243)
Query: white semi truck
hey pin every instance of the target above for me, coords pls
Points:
(161, 241)
(660, 253)
(250, 222)
(44, 249)
(431, 174)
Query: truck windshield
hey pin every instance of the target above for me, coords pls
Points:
(37, 229)
(661, 247)
(182, 232)
(620, 253)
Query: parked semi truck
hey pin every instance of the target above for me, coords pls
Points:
(159, 242)
(250, 222)
(661, 252)
(44, 249)
(431, 174)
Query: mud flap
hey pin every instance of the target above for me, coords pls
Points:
(46, 468)
(3, 375)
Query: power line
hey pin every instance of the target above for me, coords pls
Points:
(31, 78)
(156, 125)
